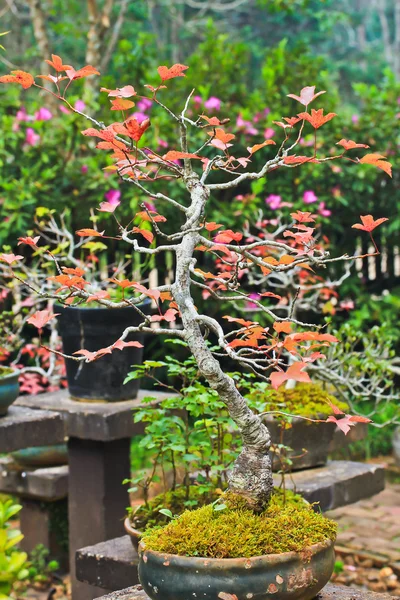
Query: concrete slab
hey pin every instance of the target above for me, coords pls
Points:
(23, 427)
(46, 484)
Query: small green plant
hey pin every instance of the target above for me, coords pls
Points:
(40, 568)
(12, 561)
(338, 567)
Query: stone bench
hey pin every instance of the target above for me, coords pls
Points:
(42, 493)
(330, 592)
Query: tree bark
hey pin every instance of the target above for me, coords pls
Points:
(251, 475)
(99, 22)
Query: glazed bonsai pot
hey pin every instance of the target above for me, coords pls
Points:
(42, 456)
(9, 388)
(94, 328)
(309, 442)
(134, 534)
(287, 576)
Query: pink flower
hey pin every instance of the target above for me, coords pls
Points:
(213, 103)
(64, 109)
(198, 101)
(31, 137)
(324, 212)
(150, 206)
(84, 169)
(347, 305)
(43, 114)
(309, 197)
(274, 201)
(355, 119)
(251, 305)
(269, 133)
(144, 104)
(22, 115)
(113, 197)
(139, 116)
(80, 105)
(162, 143)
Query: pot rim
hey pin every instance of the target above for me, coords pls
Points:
(131, 530)
(15, 372)
(277, 559)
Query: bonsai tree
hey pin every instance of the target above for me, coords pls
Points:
(203, 162)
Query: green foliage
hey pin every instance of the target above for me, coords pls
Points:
(12, 561)
(306, 399)
(235, 532)
(40, 567)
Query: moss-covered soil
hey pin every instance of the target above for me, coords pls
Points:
(177, 501)
(306, 399)
(236, 531)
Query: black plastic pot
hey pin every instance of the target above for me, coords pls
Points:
(287, 576)
(92, 329)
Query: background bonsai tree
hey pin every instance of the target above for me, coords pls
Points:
(203, 162)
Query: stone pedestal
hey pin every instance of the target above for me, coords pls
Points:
(22, 427)
(99, 460)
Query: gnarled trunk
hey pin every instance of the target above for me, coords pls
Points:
(251, 475)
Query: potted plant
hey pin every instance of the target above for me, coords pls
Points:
(201, 564)
(9, 375)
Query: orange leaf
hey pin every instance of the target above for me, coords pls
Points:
(121, 104)
(174, 71)
(89, 233)
(145, 233)
(21, 77)
(317, 118)
(40, 318)
(282, 327)
(84, 72)
(221, 135)
(227, 236)
(257, 147)
(302, 217)
(295, 371)
(57, 63)
(349, 144)
(377, 160)
(175, 155)
(368, 223)
(125, 92)
(29, 241)
(212, 226)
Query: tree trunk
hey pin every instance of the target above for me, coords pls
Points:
(251, 475)
(99, 22)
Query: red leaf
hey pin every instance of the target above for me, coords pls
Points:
(237, 320)
(212, 226)
(359, 419)
(174, 71)
(21, 77)
(227, 236)
(257, 147)
(100, 295)
(145, 233)
(307, 95)
(120, 345)
(29, 241)
(302, 217)
(368, 223)
(377, 160)
(221, 136)
(271, 295)
(40, 318)
(295, 371)
(336, 410)
(84, 72)
(344, 423)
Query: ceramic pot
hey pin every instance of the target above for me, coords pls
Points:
(9, 390)
(315, 438)
(287, 576)
(92, 329)
(134, 534)
(42, 456)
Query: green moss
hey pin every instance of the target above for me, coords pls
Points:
(238, 532)
(5, 371)
(306, 399)
(174, 500)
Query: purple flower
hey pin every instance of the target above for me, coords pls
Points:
(31, 138)
(144, 104)
(198, 100)
(355, 119)
(43, 114)
(150, 207)
(269, 133)
(80, 105)
(309, 197)
(113, 197)
(251, 305)
(325, 212)
(274, 201)
(84, 169)
(213, 103)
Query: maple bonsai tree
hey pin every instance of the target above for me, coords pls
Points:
(204, 163)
